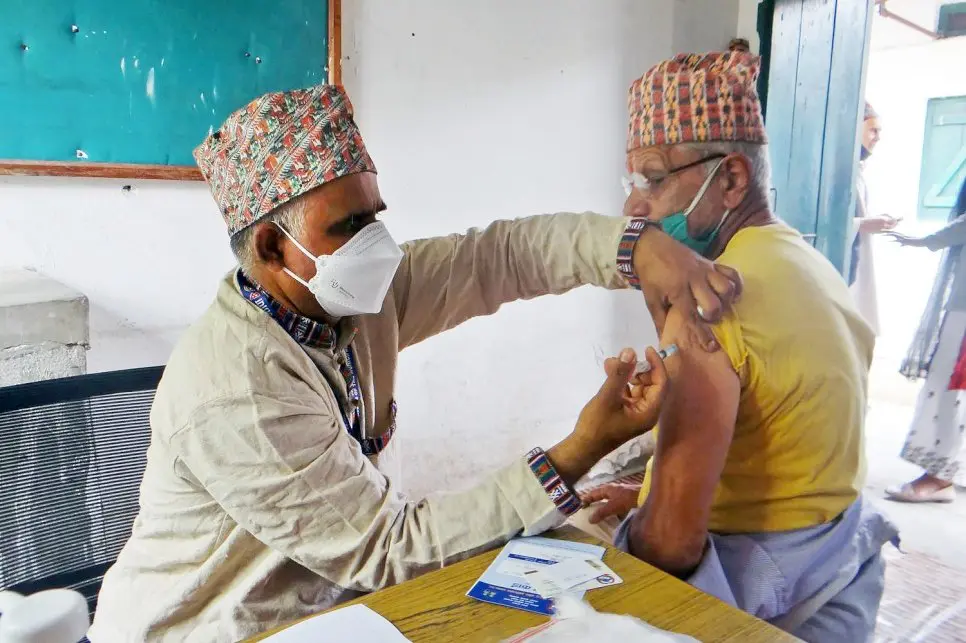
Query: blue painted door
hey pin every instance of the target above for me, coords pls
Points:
(817, 67)
(943, 157)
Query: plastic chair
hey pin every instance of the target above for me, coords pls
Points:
(72, 454)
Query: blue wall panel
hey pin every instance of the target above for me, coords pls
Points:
(142, 81)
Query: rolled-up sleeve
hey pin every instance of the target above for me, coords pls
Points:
(288, 473)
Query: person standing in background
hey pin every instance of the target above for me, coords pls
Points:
(862, 269)
(740, 45)
(938, 354)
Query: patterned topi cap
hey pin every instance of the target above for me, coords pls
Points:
(697, 98)
(278, 147)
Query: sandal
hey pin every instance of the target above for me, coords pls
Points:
(908, 493)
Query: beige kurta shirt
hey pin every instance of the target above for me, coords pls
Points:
(258, 507)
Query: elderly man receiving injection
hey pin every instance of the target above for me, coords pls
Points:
(753, 494)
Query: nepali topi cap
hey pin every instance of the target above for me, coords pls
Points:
(697, 98)
(278, 147)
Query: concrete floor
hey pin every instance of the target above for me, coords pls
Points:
(925, 593)
(925, 588)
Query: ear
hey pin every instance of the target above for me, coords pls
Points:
(737, 175)
(268, 240)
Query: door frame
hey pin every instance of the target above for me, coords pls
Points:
(818, 55)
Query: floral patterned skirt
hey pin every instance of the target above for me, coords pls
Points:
(936, 437)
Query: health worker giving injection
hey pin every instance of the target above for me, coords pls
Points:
(268, 493)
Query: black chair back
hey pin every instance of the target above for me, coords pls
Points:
(72, 454)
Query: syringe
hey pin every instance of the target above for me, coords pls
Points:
(664, 353)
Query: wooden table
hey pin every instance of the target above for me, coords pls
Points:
(435, 607)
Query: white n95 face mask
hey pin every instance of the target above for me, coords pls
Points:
(354, 279)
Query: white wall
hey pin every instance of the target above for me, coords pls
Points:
(700, 25)
(472, 112)
(748, 23)
(900, 82)
(148, 260)
(888, 32)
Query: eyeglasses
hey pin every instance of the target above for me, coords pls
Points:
(638, 181)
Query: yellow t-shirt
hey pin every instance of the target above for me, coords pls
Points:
(802, 353)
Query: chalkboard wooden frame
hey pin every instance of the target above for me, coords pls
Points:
(164, 172)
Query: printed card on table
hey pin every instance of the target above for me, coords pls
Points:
(505, 581)
(571, 576)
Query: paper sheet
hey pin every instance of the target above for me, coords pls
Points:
(356, 623)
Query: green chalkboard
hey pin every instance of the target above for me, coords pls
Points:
(144, 81)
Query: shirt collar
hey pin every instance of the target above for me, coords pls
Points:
(303, 330)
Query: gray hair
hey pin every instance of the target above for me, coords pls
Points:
(756, 153)
(290, 216)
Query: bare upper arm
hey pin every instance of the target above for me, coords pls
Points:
(695, 432)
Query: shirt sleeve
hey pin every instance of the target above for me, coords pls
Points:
(444, 281)
(288, 473)
(730, 337)
(953, 234)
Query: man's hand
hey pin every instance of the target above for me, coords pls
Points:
(613, 416)
(876, 225)
(673, 275)
(618, 498)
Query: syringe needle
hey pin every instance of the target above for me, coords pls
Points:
(664, 353)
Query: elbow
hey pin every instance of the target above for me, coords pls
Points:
(678, 559)
(677, 553)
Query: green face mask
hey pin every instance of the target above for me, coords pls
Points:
(676, 225)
